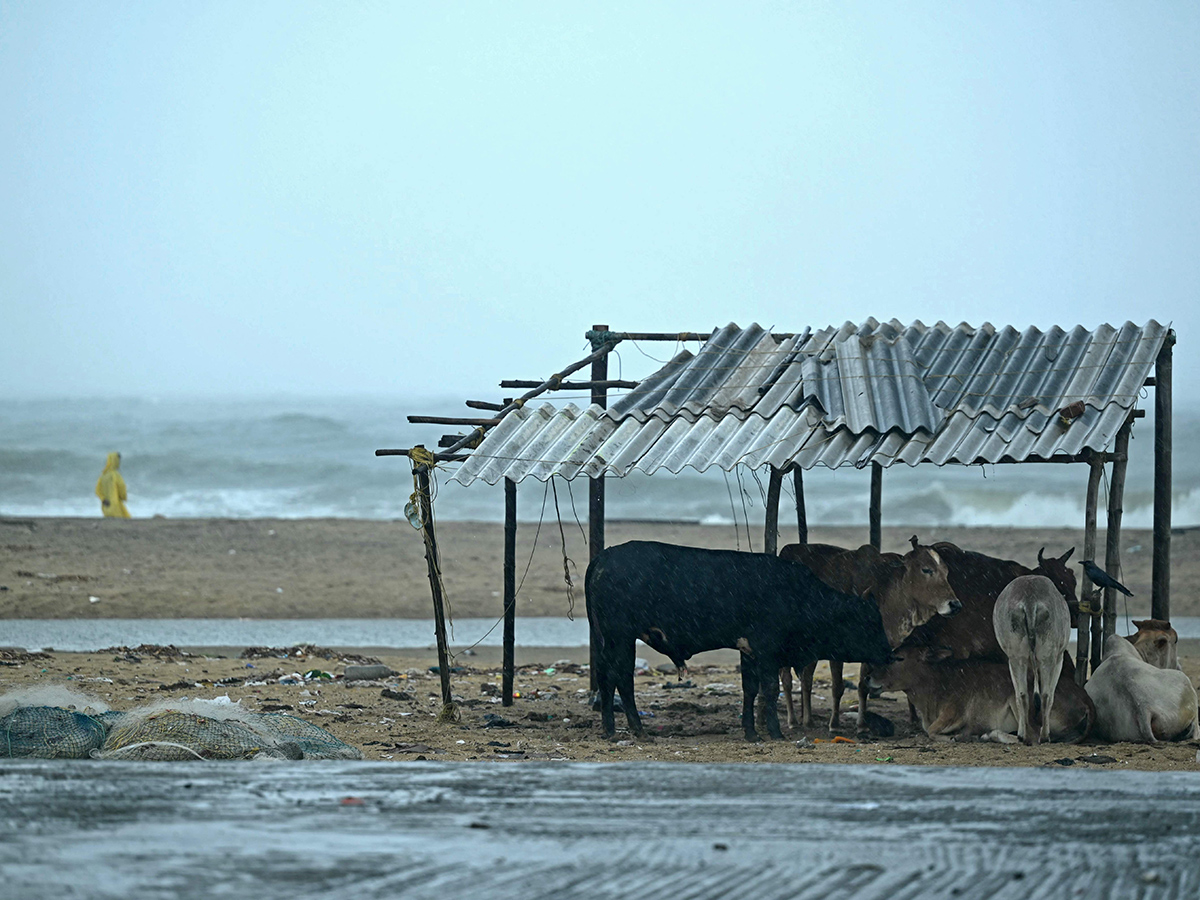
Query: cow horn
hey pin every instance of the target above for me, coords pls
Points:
(914, 541)
(1041, 558)
(1066, 555)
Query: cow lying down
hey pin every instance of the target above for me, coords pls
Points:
(1156, 642)
(975, 698)
(684, 600)
(1137, 701)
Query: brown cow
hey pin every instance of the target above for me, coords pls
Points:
(975, 698)
(909, 589)
(977, 581)
(1156, 641)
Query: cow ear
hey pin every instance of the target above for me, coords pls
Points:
(1066, 556)
(1041, 557)
(913, 540)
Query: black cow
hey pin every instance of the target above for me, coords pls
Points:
(684, 600)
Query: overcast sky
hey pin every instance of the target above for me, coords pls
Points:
(247, 199)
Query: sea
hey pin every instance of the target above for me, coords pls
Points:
(298, 457)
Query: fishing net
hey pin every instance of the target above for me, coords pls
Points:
(172, 735)
(48, 732)
(314, 742)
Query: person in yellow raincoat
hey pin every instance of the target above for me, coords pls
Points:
(111, 489)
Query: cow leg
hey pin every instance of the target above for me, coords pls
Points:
(837, 671)
(864, 675)
(806, 685)
(1048, 672)
(625, 686)
(605, 685)
(785, 679)
(769, 690)
(1018, 670)
(750, 687)
(913, 718)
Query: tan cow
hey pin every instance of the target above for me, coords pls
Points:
(910, 589)
(1156, 642)
(975, 697)
(1139, 702)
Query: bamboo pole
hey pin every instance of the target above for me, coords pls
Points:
(771, 526)
(1112, 535)
(1083, 636)
(434, 565)
(596, 490)
(801, 512)
(1160, 577)
(876, 513)
(510, 591)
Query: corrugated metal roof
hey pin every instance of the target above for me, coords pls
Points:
(852, 395)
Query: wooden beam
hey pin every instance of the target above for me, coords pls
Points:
(510, 591)
(434, 565)
(1084, 634)
(572, 385)
(876, 513)
(1160, 572)
(438, 457)
(1112, 536)
(453, 420)
(771, 528)
(483, 404)
(801, 512)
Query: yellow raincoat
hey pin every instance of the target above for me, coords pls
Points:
(111, 489)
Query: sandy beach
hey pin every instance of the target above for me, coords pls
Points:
(347, 568)
(354, 568)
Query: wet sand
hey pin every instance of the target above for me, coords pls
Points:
(345, 568)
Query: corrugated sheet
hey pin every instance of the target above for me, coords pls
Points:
(853, 395)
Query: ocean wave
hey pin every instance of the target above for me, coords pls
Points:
(294, 459)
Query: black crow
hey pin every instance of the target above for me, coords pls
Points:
(1100, 578)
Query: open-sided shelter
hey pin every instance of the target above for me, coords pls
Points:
(869, 396)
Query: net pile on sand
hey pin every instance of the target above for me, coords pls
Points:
(171, 730)
(314, 742)
(174, 735)
(48, 732)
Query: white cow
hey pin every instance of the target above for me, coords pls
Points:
(1136, 701)
(1033, 625)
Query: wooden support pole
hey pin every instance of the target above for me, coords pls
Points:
(1160, 573)
(801, 512)
(771, 529)
(1112, 536)
(434, 565)
(510, 591)
(1083, 636)
(596, 492)
(876, 521)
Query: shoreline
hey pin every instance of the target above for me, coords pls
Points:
(371, 569)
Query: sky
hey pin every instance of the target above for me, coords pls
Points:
(234, 199)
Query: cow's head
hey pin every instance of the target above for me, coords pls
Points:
(918, 588)
(907, 670)
(1156, 642)
(1056, 569)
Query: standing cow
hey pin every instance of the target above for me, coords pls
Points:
(1033, 626)
(684, 600)
(910, 590)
